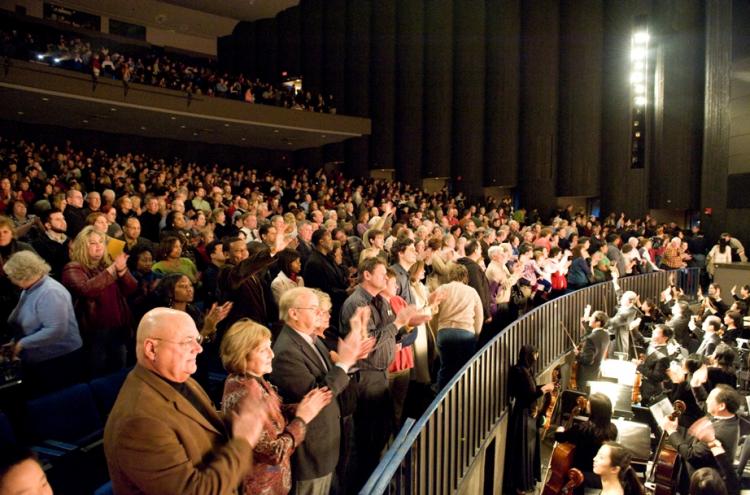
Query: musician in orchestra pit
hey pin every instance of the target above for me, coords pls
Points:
(589, 436)
(680, 376)
(721, 369)
(522, 449)
(711, 339)
(619, 325)
(612, 464)
(654, 367)
(593, 348)
(734, 327)
(722, 405)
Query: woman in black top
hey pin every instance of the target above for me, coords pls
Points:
(722, 370)
(681, 389)
(522, 456)
(589, 436)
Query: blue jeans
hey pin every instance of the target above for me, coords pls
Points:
(456, 347)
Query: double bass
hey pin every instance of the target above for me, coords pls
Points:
(664, 471)
(561, 460)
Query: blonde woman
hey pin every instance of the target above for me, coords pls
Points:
(247, 355)
(99, 287)
(424, 346)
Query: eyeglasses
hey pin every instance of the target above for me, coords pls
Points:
(314, 308)
(185, 343)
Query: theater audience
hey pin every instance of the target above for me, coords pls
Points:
(21, 473)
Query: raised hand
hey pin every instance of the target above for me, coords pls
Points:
(248, 419)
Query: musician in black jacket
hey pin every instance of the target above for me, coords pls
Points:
(654, 368)
(722, 404)
(592, 349)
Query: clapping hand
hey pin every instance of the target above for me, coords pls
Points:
(313, 402)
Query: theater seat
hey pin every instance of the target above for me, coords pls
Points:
(105, 489)
(105, 390)
(67, 418)
(7, 437)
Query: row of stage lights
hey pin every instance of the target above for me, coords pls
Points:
(639, 67)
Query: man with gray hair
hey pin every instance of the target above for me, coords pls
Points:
(303, 363)
(621, 325)
(164, 434)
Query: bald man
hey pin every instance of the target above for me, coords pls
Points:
(164, 434)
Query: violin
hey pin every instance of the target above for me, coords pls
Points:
(561, 460)
(664, 472)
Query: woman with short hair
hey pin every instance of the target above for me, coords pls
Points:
(46, 331)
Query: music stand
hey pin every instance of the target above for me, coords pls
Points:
(636, 437)
(622, 371)
(620, 395)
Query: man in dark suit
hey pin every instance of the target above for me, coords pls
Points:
(722, 405)
(593, 349)
(654, 368)
(75, 216)
(302, 363)
(53, 244)
(163, 434)
(680, 325)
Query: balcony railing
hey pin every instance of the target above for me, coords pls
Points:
(434, 454)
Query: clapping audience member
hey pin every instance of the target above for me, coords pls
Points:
(247, 355)
(100, 287)
(47, 338)
(170, 260)
(164, 434)
(290, 266)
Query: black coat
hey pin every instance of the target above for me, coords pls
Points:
(478, 280)
(321, 273)
(297, 369)
(54, 253)
(591, 356)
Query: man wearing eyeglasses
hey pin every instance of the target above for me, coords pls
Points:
(164, 434)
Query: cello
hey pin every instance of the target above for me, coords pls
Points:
(664, 471)
(561, 459)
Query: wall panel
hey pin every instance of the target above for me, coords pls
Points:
(383, 82)
(266, 50)
(334, 50)
(311, 12)
(679, 105)
(288, 35)
(469, 63)
(438, 89)
(581, 39)
(409, 90)
(357, 76)
(503, 38)
(539, 105)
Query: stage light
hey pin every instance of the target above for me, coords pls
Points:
(638, 53)
(636, 77)
(57, 60)
(639, 89)
(40, 56)
(639, 101)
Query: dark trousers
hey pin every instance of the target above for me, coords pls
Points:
(373, 421)
(456, 347)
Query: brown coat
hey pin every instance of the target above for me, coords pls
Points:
(156, 442)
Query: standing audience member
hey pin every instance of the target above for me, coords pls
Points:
(164, 434)
(290, 266)
(53, 244)
(9, 292)
(47, 338)
(301, 364)
(459, 321)
(247, 355)
(99, 288)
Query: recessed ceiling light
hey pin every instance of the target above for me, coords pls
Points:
(323, 135)
(173, 117)
(244, 139)
(276, 131)
(112, 109)
(182, 126)
(226, 125)
(85, 121)
(195, 134)
(20, 113)
(44, 98)
(143, 127)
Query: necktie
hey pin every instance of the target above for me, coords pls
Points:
(316, 345)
